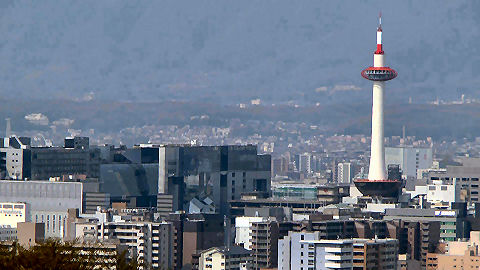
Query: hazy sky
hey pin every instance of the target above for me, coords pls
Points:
(231, 51)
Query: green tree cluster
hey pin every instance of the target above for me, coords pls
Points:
(57, 255)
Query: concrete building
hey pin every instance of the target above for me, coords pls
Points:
(423, 237)
(345, 173)
(305, 163)
(223, 173)
(279, 166)
(12, 213)
(295, 192)
(48, 201)
(304, 250)
(133, 183)
(410, 159)
(8, 233)
(151, 242)
(243, 230)
(459, 255)
(30, 233)
(193, 233)
(443, 193)
(452, 222)
(72, 159)
(17, 163)
(302, 192)
(228, 258)
(265, 235)
(467, 176)
(375, 254)
(290, 247)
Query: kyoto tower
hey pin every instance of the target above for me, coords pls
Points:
(378, 183)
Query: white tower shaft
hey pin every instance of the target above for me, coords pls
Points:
(377, 159)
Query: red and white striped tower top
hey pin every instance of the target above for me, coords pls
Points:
(379, 36)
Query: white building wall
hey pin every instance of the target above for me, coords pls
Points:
(344, 172)
(48, 201)
(243, 229)
(292, 252)
(12, 213)
(14, 163)
(439, 192)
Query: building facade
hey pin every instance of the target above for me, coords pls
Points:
(410, 159)
(226, 258)
(48, 201)
(304, 250)
(222, 172)
(344, 172)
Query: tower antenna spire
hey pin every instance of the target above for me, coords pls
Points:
(379, 21)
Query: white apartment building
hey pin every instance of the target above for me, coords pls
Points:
(303, 251)
(344, 172)
(243, 231)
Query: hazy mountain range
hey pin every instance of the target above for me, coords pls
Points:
(234, 51)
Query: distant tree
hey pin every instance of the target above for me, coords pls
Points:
(57, 255)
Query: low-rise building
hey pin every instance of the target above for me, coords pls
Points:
(227, 258)
(459, 255)
(48, 201)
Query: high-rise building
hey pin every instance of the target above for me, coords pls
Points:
(345, 172)
(75, 158)
(305, 163)
(222, 172)
(193, 233)
(410, 159)
(265, 235)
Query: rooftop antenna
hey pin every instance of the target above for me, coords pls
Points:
(8, 130)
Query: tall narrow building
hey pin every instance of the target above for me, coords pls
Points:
(378, 183)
